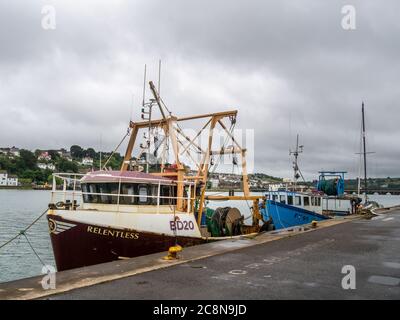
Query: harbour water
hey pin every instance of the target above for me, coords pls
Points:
(18, 208)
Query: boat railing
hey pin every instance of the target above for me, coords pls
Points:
(75, 195)
(69, 180)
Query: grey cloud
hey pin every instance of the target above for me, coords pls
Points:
(287, 66)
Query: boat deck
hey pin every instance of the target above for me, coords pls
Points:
(287, 265)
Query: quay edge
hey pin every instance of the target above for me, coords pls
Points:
(31, 288)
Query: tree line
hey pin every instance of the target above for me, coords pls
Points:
(25, 166)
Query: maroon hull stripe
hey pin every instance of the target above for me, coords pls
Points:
(77, 244)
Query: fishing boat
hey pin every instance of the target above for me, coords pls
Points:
(107, 215)
(292, 204)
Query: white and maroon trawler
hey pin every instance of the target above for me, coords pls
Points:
(109, 215)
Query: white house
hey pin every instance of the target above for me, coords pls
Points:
(86, 161)
(14, 152)
(45, 166)
(44, 156)
(11, 152)
(275, 186)
(214, 183)
(8, 180)
(3, 178)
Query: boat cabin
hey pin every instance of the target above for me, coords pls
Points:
(315, 202)
(128, 188)
(302, 200)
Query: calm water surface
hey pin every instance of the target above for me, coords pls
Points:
(18, 208)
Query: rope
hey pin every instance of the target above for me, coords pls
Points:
(34, 251)
(115, 150)
(22, 232)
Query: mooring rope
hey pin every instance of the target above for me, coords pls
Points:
(22, 232)
(33, 249)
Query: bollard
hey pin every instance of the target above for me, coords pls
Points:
(173, 252)
(314, 224)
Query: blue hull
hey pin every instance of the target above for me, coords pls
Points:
(286, 216)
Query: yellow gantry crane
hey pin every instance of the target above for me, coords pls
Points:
(169, 124)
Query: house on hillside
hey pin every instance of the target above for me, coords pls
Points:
(14, 152)
(8, 180)
(64, 154)
(45, 166)
(44, 156)
(11, 152)
(214, 183)
(86, 161)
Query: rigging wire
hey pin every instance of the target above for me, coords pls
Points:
(115, 150)
(22, 232)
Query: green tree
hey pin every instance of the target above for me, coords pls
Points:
(6, 164)
(26, 160)
(90, 152)
(76, 152)
(54, 155)
(64, 165)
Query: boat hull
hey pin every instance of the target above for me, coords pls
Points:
(286, 216)
(76, 244)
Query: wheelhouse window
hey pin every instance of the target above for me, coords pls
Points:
(103, 190)
(143, 193)
(93, 198)
(306, 201)
(297, 201)
(114, 190)
(290, 200)
(282, 199)
(166, 193)
(85, 190)
(129, 193)
(316, 201)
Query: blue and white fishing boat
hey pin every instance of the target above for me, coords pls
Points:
(292, 205)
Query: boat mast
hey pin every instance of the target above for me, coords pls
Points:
(359, 163)
(297, 173)
(364, 153)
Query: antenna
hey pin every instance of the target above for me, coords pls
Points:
(159, 76)
(100, 149)
(359, 163)
(133, 103)
(297, 172)
(144, 85)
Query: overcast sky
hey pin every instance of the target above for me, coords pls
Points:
(288, 66)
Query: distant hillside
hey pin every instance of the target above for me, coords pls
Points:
(375, 183)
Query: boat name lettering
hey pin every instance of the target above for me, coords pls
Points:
(181, 225)
(113, 233)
